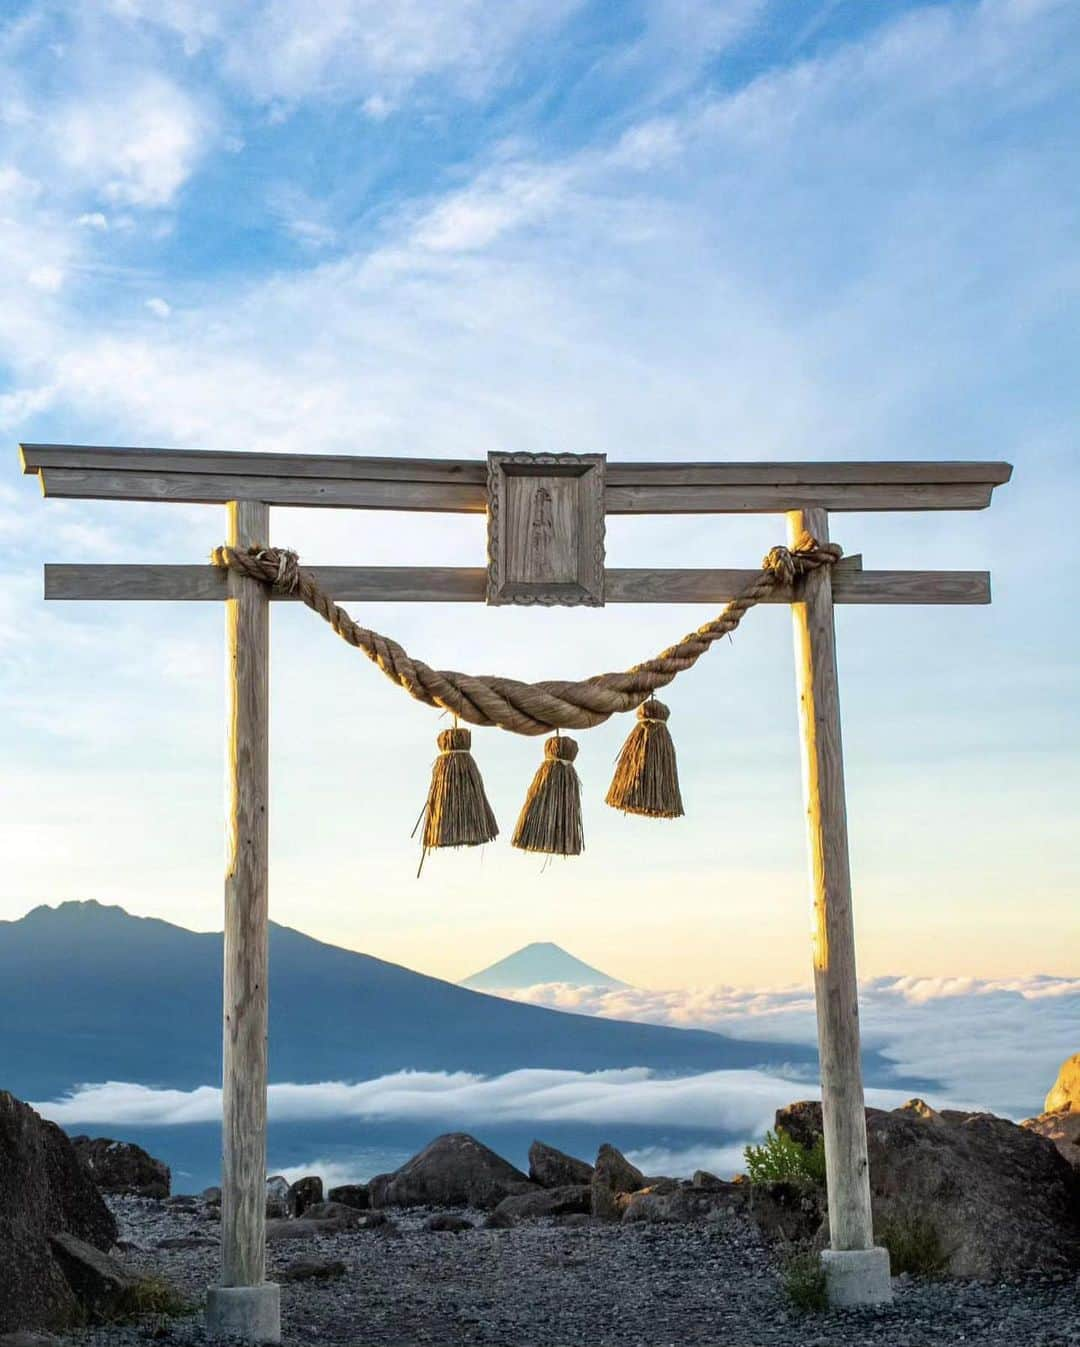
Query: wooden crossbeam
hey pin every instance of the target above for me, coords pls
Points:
(459, 485)
(467, 584)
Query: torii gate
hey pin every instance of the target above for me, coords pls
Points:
(577, 490)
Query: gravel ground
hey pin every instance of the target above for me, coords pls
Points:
(544, 1284)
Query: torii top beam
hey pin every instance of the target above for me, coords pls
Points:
(460, 485)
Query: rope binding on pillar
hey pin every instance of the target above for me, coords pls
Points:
(646, 782)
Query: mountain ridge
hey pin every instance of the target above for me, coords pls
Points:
(98, 994)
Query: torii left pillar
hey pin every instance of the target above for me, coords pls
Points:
(246, 1305)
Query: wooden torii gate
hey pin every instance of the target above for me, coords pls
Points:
(247, 484)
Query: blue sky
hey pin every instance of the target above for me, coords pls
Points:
(679, 229)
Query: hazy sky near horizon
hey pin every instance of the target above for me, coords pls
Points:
(700, 229)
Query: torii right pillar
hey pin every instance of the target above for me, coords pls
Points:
(857, 1271)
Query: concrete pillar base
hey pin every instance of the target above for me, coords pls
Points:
(252, 1313)
(857, 1276)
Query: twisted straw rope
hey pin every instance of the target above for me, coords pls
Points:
(526, 708)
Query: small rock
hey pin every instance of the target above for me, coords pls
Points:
(211, 1196)
(333, 1211)
(311, 1269)
(446, 1221)
(187, 1242)
(547, 1202)
(499, 1220)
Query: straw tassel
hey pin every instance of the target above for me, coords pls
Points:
(457, 813)
(551, 815)
(646, 777)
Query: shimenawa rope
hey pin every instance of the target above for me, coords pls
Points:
(526, 708)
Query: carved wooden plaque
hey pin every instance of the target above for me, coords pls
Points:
(546, 528)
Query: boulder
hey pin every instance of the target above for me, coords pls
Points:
(277, 1197)
(1004, 1200)
(455, 1170)
(99, 1282)
(547, 1202)
(304, 1193)
(351, 1195)
(498, 1220)
(1063, 1129)
(1065, 1092)
(703, 1179)
(614, 1178)
(551, 1168)
(122, 1167)
(211, 1197)
(44, 1191)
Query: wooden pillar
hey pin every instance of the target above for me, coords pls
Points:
(243, 1184)
(835, 984)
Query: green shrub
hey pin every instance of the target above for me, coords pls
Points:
(781, 1159)
(148, 1299)
(802, 1278)
(915, 1245)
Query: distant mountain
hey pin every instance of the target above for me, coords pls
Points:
(89, 993)
(539, 962)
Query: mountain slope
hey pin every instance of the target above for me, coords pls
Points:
(89, 993)
(539, 962)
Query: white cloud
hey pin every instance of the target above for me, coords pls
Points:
(93, 220)
(46, 278)
(159, 307)
(135, 143)
(737, 1101)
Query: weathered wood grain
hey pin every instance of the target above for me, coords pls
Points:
(835, 983)
(474, 471)
(467, 584)
(459, 486)
(244, 1067)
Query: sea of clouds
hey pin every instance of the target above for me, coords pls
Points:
(992, 1045)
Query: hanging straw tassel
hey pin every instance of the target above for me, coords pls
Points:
(457, 813)
(551, 815)
(646, 777)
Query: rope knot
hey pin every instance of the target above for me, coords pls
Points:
(287, 564)
(781, 562)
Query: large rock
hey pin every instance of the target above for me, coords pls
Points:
(547, 1202)
(122, 1167)
(1004, 1201)
(1063, 1129)
(1065, 1093)
(552, 1168)
(614, 1178)
(44, 1191)
(455, 1170)
(304, 1193)
(351, 1195)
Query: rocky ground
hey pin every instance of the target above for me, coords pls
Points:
(568, 1281)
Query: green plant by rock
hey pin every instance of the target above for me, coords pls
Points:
(781, 1159)
(802, 1279)
(915, 1245)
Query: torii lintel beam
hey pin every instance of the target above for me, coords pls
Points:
(460, 485)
